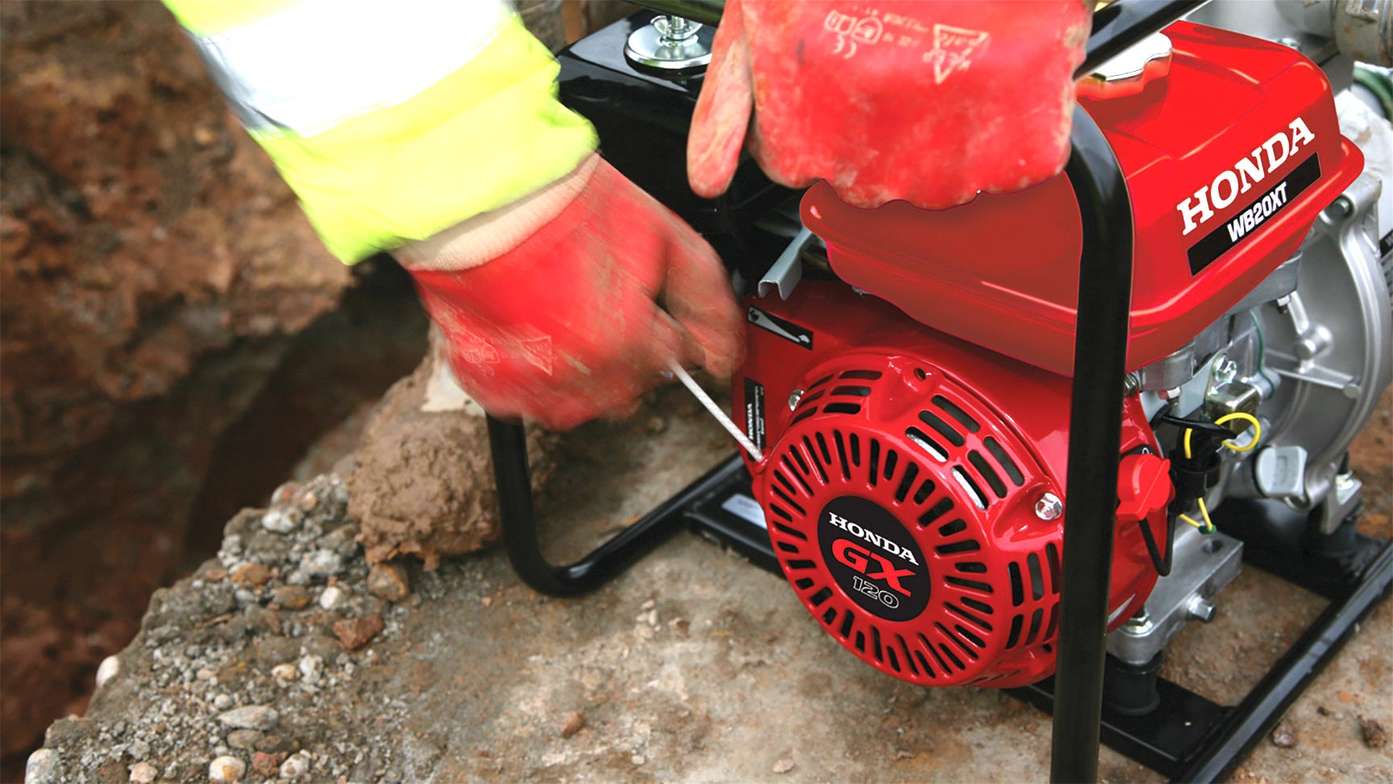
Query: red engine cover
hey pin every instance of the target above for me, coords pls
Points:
(1245, 126)
(900, 484)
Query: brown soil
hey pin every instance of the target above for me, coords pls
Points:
(422, 484)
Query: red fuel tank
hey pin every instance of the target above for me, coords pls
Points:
(1228, 160)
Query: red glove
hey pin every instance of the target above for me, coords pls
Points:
(561, 324)
(929, 101)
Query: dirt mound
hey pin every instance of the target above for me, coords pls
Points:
(423, 484)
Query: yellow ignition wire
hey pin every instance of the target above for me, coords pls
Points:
(1252, 422)
(1229, 442)
(1208, 525)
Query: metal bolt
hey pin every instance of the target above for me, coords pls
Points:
(1225, 370)
(674, 29)
(1049, 507)
(1200, 608)
(1139, 624)
(1131, 383)
(793, 398)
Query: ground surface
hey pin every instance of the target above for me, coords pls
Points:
(694, 666)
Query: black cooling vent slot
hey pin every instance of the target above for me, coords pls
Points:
(866, 375)
(942, 428)
(1032, 581)
(924, 442)
(1037, 578)
(957, 413)
(966, 482)
(841, 454)
(993, 481)
(970, 584)
(1007, 464)
(907, 481)
(1052, 555)
(965, 546)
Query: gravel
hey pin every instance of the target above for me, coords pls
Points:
(237, 674)
(251, 717)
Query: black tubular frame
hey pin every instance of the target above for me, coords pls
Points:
(512, 478)
(1095, 416)
(1178, 749)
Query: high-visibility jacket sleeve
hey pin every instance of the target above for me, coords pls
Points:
(392, 121)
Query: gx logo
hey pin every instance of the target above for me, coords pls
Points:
(859, 559)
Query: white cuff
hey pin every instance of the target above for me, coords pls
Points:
(491, 234)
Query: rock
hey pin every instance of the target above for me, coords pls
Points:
(268, 548)
(310, 667)
(252, 575)
(42, 768)
(1373, 733)
(222, 702)
(226, 769)
(271, 743)
(285, 672)
(319, 645)
(217, 600)
(296, 766)
(144, 773)
(291, 597)
(356, 632)
(322, 563)
(342, 540)
(783, 765)
(388, 581)
(266, 765)
(261, 620)
(274, 649)
(108, 669)
(250, 717)
(331, 597)
(422, 484)
(280, 521)
(1283, 737)
(574, 723)
(243, 739)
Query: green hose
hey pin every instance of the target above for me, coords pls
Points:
(1376, 81)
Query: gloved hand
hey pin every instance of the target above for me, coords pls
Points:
(550, 306)
(929, 101)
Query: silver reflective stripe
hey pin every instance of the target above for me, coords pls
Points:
(314, 64)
